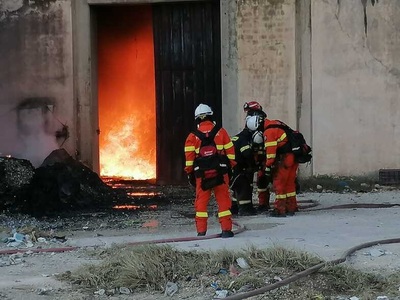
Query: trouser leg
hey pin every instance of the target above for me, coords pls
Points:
(234, 207)
(279, 181)
(263, 192)
(291, 202)
(224, 204)
(200, 204)
(243, 190)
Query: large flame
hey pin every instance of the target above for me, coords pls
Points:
(126, 93)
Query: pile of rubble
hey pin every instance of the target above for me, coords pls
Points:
(60, 184)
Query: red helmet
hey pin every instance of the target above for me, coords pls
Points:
(252, 105)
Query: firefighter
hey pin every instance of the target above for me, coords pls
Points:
(282, 167)
(201, 176)
(254, 108)
(249, 143)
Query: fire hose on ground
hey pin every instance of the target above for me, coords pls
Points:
(310, 270)
(158, 241)
(309, 204)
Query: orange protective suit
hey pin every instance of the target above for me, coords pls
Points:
(284, 168)
(262, 190)
(221, 192)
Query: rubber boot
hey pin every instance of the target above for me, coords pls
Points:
(247, 210)
(227, 234)
(277, 214)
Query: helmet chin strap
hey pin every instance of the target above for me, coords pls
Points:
(205, 117)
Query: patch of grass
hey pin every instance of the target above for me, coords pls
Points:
(150, 267)
(391, 284)
(279, 257)
(339, 183)
(344, 279)
(90, 275)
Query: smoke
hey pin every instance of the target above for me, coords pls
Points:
(36, 130)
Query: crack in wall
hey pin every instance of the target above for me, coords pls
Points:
(344, 31)
(364, 4)
(390, 70)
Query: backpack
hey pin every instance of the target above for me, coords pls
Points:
(296, 144)
(209, 165)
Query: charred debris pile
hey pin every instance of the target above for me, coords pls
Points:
(60, 185)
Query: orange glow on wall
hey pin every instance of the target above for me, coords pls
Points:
(126, 92)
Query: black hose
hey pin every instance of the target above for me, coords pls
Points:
(310, 270)
(352, 205)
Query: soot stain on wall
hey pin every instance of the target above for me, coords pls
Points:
(35, 34)
(37, 128)
(41, 104)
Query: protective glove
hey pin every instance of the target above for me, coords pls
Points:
(191, 179)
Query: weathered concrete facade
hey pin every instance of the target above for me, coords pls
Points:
(266, 55)
(36, 87)
(330, 68)
(355, 86)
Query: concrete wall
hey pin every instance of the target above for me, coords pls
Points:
(329, 68)
(304, 77)
(355, 86)
(231, 116)
(266, 57)
(336, 77)
(35, 78)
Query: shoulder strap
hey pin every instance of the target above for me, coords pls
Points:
(281, 125)
(214, 131)
(289, 133)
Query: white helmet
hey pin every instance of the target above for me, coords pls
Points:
(202, 110)
(258, 137)
(253, 122)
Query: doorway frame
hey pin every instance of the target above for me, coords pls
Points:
(85, 73)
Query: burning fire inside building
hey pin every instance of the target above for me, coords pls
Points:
(126, 93)
(151, 64)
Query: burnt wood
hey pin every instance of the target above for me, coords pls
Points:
(188, 72)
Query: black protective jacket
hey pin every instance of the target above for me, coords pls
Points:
(244, 153)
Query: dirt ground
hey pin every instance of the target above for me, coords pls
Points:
(323, 230)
